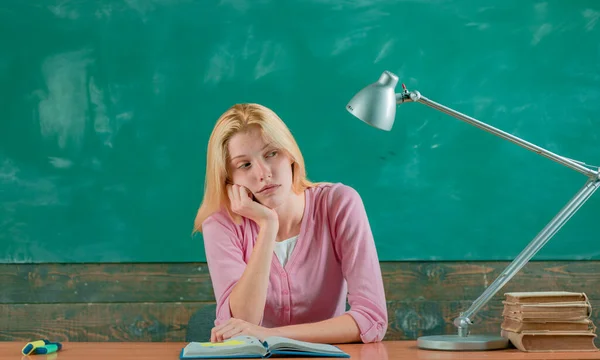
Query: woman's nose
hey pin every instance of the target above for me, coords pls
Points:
(264, 171)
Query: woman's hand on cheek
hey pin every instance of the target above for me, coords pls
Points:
(243, 204)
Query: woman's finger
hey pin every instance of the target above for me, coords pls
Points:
(221, 326)
(230, 192)
(213, 335)
(231, 333)
(244, 193)
(219, 329)
(219, 334)
(249, 193)
(235, 194)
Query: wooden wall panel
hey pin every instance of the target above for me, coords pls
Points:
(75, 283)
(154, 302)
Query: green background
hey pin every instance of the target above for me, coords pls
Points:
(106, 108)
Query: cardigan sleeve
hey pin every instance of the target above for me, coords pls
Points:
(224, 256)
(355, 246)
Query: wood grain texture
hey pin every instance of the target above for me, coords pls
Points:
(153, 302)
(168, 321)
(72, 283)
(76, 283)
(97, 322)
(466, 281)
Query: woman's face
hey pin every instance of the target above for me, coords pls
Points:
(260, 167)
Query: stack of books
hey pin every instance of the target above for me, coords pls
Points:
(548, 321)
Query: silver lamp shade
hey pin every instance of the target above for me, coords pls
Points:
(376, 103)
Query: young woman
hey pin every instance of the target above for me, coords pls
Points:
(283, 253)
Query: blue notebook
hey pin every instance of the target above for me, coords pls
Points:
(251, 347)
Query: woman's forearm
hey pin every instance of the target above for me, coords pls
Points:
(337, 330)
(249, 295)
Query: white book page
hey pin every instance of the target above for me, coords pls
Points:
(281, 343)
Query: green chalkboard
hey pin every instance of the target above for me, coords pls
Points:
(106, 108)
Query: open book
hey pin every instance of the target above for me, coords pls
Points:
(251, 347)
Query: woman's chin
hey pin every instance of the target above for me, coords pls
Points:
(268, 204)
(271, 203)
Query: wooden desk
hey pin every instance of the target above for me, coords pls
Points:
(387, 350)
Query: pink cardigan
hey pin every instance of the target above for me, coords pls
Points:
(334, 256)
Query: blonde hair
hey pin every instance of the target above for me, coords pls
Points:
(240, 118)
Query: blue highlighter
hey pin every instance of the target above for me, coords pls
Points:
(48, 348)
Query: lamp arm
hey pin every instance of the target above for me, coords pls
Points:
(417, 97)
(464, 320)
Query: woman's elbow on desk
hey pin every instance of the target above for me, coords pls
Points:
(375, 334)
(371, 324)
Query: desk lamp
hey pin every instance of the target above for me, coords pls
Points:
(376, 105)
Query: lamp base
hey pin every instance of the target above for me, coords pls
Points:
(462, 343)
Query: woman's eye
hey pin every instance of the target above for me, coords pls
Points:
(272, 153)
(244, 165)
